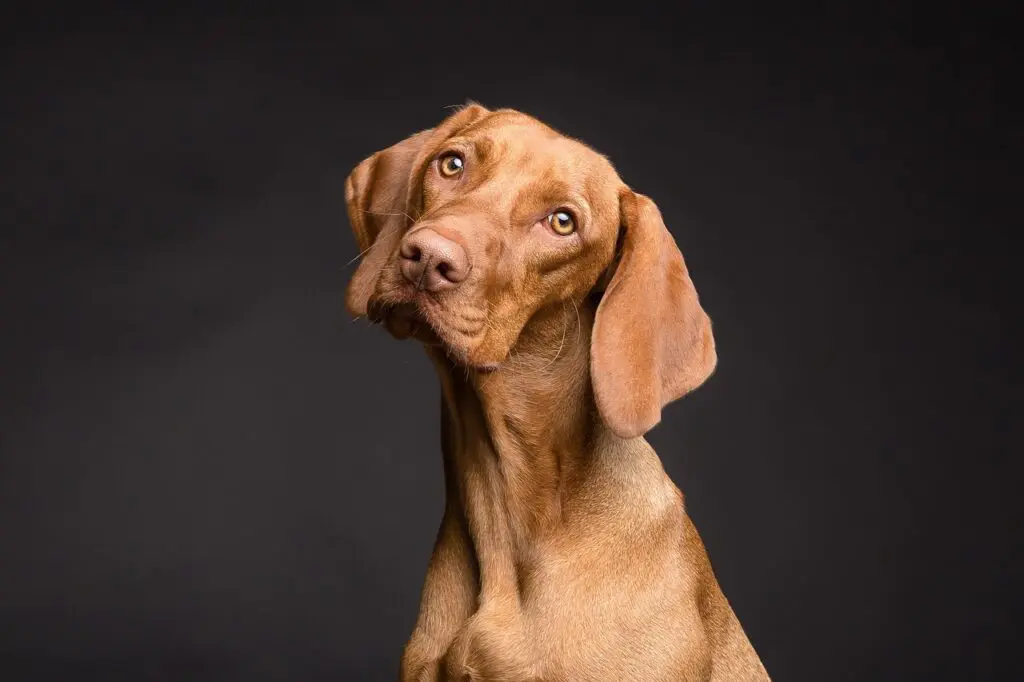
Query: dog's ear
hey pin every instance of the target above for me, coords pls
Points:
(383, 194)
(652, 340)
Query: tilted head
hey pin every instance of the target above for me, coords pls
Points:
(473, 230)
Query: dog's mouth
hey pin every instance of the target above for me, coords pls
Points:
(404, 321)
(414, 319)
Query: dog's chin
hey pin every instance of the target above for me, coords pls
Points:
(409, 321)
(406, 321)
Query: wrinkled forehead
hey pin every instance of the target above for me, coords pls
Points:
(518, 148)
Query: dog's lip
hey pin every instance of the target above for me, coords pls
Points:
(424, 329)
(487, 367)
(412, 312)
(406, 320)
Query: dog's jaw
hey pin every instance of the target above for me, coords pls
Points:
(411, 314)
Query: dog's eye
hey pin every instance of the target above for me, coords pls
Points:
(450, 165)
(562, 223)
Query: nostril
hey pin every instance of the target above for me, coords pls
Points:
(411, 252)
(443, 269)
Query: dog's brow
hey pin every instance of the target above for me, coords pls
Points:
(556, 195)
(535, 202)
(480, 147)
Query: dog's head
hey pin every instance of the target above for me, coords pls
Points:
(473, 230)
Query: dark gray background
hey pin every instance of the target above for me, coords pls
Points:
(209, 473)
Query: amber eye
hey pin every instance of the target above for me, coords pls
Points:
(450, 165)
(562, 223)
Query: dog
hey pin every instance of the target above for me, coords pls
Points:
(561, 319)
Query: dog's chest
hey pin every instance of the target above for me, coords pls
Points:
(572, 642)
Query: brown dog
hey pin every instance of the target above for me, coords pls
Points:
(561, 318)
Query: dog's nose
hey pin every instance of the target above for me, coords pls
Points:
(433, 262)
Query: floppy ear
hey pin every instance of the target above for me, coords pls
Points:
(652, 341)
(384, 193)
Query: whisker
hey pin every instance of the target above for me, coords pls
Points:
(565, 324)
(359, 255)
(400, 214)
(579, 325)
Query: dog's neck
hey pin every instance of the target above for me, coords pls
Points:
(516, 440)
